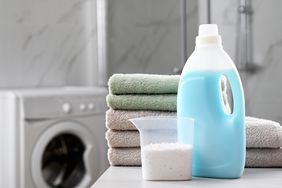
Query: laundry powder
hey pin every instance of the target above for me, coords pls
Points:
(167, 161)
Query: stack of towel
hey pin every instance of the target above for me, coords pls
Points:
(264, 143)
(132, 96)
(139, 95)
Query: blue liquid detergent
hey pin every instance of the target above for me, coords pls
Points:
(219, 138)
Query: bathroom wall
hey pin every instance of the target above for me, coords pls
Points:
(263, 89)
(48, 43)
(145, 36)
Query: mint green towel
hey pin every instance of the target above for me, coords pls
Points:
(142, 102)
(143, 84)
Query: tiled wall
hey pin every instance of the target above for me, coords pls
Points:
(48, 43)
(263, 90)
(145, 36)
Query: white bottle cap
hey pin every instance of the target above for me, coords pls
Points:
(208, 34)
(208, 30)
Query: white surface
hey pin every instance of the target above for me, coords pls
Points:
(128, 177)
(29, 119)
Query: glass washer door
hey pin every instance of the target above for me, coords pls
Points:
(62, 162)
(59, 158)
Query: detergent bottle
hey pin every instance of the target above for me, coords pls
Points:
(219, 135)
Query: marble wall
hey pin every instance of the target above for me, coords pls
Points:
(145, 36)
(263, 89)
(48, 43)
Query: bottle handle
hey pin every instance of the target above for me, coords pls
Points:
(225, 88)
(237, 97)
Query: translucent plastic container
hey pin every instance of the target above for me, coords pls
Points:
(163, 156)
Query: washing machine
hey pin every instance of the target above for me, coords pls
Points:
(52, 137)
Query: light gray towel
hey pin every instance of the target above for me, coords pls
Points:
(255, 158)
(125, 139)
(131, 139)
(143, 84)
(119, 119)
(262, 158)
(262, 133)
(124, 156)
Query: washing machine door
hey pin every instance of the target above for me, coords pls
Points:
(65, 156)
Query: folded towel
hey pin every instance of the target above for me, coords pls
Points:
(143, 84)
(142, 102)
(119, 119)
(124, 156)
(264, 158)
(131, 139)
(122, 138)
(255, 158)
(262, 133)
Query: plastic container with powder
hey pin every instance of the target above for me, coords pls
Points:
(162, 156)
(167, 161)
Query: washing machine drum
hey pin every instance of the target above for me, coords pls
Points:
(62, 157)
(62, 161)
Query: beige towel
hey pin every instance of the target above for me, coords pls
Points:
(131, 139)
(124, 156)
(122, 138)
(255, 158)
(262, 158)
(119, 119)
(262, 133)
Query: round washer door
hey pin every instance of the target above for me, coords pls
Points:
(65, 156)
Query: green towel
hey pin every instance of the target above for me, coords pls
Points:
(143, 84)
(142, 102)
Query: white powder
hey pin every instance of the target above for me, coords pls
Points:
(167, 161)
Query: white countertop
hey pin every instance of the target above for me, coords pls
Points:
(131, 177)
